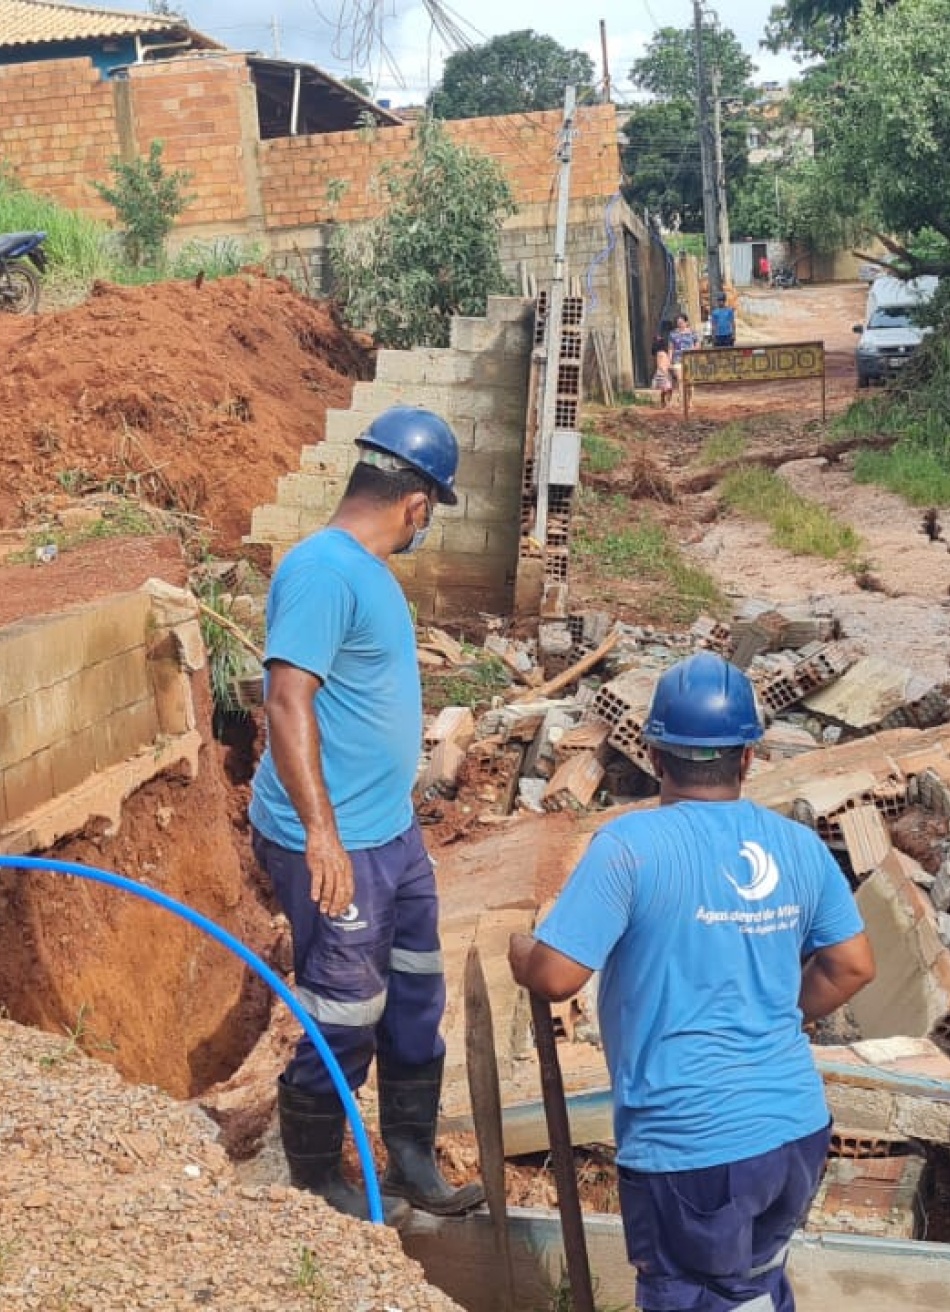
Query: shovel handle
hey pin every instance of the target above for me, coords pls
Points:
(562, 1157)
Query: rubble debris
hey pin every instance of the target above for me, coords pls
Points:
(817, 664)
(574, 783)
(875, 693)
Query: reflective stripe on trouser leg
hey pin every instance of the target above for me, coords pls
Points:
(415, 1003)
(341, 963)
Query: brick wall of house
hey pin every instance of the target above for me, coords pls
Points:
(58, 129)
(335, 177)
(196, 108)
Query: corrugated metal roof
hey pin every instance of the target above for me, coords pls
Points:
(37, 22)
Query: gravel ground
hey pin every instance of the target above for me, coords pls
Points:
(114, 1197)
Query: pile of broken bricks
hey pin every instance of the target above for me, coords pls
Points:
(851, 742)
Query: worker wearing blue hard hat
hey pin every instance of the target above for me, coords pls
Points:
(719, 929)
(334, 828)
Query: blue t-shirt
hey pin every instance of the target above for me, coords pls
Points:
(336, 610)
(698, 915)
(723, 321)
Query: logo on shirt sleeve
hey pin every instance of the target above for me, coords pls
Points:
(764, 873)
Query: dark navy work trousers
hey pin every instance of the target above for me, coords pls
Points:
(716, 1239)
(371, 977)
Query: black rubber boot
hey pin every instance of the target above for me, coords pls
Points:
(311, 1131)
(408, 1114)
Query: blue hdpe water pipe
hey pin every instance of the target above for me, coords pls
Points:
(260, 967)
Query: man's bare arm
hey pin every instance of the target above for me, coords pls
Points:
(545, 971)
(294, 739)
(833, 975)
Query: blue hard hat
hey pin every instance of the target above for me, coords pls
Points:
(703, 702)
(419, 440)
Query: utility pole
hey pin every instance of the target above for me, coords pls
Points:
(707, 156)
(603, 58)
(275, 29)
(725, 239)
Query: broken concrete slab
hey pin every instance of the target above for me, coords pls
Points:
(873, 692)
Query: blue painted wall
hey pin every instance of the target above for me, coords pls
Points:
(105, 54)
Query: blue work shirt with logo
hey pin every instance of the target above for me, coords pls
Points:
(698, 915)
(336, 610)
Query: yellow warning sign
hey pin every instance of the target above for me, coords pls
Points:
(754, 364)
(730, 365)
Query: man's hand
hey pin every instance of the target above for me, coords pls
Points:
(331, 872)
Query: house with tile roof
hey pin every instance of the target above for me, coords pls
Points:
(33, 30)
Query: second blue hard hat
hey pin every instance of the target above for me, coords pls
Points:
(421, 440)
(703, 702)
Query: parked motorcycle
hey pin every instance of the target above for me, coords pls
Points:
(784, 275)
(22, 260)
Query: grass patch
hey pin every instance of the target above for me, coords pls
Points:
(798, 525)
(726, 444)
(474, 685)
(644, 551)
(78, 246)
(914, 473)
(600, 454)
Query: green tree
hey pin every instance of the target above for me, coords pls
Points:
(147, 200)
(359, 85)
(667, 70)
(812, 27)
(433, 252)
(886, 125)
(510, 74)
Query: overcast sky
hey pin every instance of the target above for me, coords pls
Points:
(336, 34)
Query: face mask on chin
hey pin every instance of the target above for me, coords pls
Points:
(415, 542)
(419, 535)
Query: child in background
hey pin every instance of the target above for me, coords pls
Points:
(663, 378)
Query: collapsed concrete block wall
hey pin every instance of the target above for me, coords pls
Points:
(479, 384)
(96, 700)
(911, 992)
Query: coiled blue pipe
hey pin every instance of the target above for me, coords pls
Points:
(260, 967)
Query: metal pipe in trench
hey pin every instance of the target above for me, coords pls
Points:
(260, 967)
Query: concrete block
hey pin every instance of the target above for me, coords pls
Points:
(344, 427)
(274, 524)
(465, 535)
(470, 334)
(923, 1118)
(4, 813)
(509, 309)
(170, 605)
(311, 521)
(861, 1109)
(477, 470)
(369, 399)
(34, 655)
(464, 570)
(485, 403)
(102, 690)
(493, 505)
(455, 603)
(302, 490)
(28, 784)
(135, 728)
(190, 646)
(171, 690)
(316, 459)
(114, 626)
(498, 435)
(508, 370)
(73, 760)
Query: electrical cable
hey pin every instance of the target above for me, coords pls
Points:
(602, 255)
(260, 967)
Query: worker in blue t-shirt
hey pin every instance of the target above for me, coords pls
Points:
(334, 829)
(699, 915)
(722, 321)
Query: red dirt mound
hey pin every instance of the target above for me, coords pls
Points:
(196, 398)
